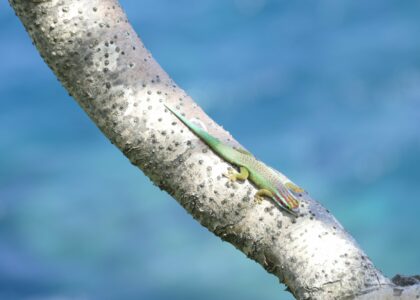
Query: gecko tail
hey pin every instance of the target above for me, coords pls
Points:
(198, 129)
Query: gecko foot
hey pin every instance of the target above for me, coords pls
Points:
(294, 188)
(231, 175)
(259, 196)
(258, 199)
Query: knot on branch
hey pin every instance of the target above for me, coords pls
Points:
(406, 280)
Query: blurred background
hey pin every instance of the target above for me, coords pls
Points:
(335, 85)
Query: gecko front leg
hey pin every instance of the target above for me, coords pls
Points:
(234, 176)
(261, 194)
(294, 188)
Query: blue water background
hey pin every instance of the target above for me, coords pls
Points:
(326, 91)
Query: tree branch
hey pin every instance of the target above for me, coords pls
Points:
(95, 53)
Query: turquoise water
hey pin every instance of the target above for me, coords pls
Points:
(334, 92)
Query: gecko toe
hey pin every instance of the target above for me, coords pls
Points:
(230, 175)
(258, 199)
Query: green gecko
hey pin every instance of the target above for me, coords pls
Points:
(270, 183)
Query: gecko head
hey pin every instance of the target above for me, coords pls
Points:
(287, 200)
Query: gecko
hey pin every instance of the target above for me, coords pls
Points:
(270, 183)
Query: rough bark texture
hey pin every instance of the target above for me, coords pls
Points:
(95, 53)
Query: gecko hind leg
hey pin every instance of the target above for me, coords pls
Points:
(234, 176)
(261, 194)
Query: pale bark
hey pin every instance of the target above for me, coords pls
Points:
(95, 53)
